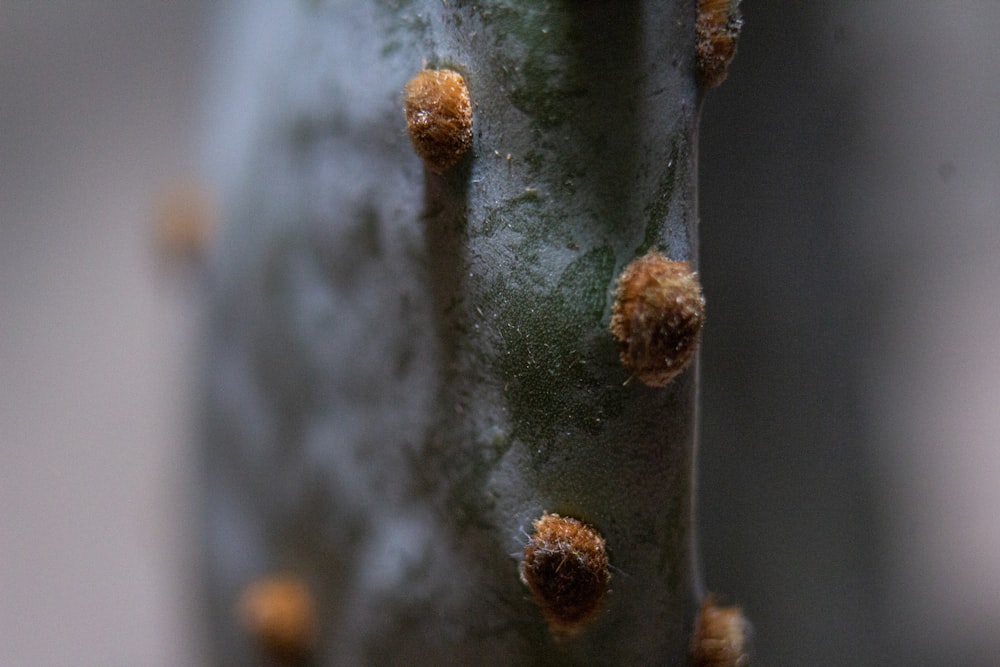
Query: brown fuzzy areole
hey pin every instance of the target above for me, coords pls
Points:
(657, 317)
(720, 636)
(438, 117)
(717, 31)
(279, 613)
(565, 566)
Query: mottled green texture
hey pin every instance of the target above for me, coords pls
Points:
(409, 369)
(547, 348)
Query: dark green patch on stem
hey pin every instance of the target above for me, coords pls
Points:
(548, 342)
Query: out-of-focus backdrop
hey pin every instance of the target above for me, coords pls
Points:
(99, 122)
(850, 188)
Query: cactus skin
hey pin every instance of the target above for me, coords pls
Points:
(405, 370)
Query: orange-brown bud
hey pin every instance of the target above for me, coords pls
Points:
(184, 220)
(717, 30)
(565, 566)
(280, 615)
(438, 117)
(657, 317)
(721, 635)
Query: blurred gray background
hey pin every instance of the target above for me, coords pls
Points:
(850, 204)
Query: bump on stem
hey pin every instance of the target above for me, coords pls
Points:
(438, 117)
(565, 566)
(279, 613)
(657, 317)
(717, 31)
(721, 636)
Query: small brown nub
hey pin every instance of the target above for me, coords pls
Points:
(438, 117)
(184, 220)
(720, 638)
(566, 568)
(280, 615)
(717, 31)
(657, 317)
